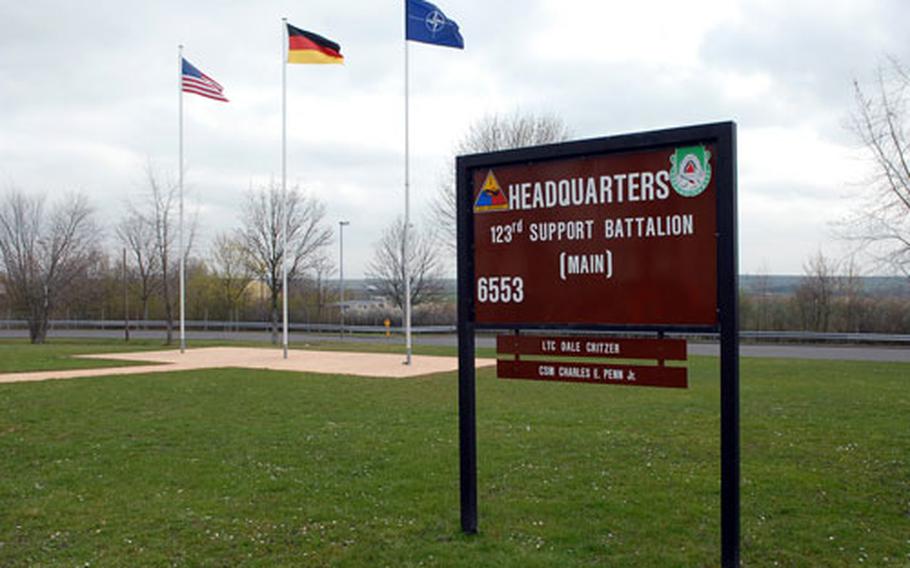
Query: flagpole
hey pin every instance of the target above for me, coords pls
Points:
(180, 230)
(407, 198)
(284, 187)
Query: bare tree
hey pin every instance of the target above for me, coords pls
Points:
(323, 268)
(137, 234)
(489, 134)
(5, 298)
(162, 202)
(308, 235)
(45, 252)
(158, 210)
(881, 225)
(850, 287)
(232, 268)
(386, 269)
(815, 294)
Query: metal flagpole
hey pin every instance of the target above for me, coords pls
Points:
(407, 200)
(180, 230)
(284, 187)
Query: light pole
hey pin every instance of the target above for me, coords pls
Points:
(341, 226)
(126, 302)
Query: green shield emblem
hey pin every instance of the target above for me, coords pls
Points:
(691, 171)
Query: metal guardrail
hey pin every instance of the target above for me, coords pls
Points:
(225, 326)
(827, 337)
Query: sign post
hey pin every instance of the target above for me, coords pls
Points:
(633, 234)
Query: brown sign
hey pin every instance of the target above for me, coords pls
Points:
(592, 346)
(630, 375)
(630, 234)
(619, 238)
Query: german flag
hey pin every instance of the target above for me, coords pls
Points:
(307, 47)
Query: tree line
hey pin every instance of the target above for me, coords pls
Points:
(831, 296)
(57, 262)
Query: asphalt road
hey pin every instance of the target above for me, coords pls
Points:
(791, 351)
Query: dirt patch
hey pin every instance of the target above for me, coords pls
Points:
(327, 362)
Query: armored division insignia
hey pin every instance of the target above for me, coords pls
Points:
(491, 196)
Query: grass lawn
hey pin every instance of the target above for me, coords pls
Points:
(240, 467)
(18, 355)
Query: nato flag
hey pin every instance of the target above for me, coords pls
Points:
(427, 23)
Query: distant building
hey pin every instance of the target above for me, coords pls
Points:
(364, 306)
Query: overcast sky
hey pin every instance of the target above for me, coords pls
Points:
(88, 96)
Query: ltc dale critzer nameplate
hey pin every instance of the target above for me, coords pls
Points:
(578, 347)
(619, 238)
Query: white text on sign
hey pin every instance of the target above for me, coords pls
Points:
(585, 264)
(500, 289)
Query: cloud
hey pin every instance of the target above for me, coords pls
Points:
(89, 97)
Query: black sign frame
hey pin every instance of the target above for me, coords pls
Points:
(723, 136)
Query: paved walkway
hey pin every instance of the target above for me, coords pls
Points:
(327, 362)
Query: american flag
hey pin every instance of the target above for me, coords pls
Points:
(197, 82)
